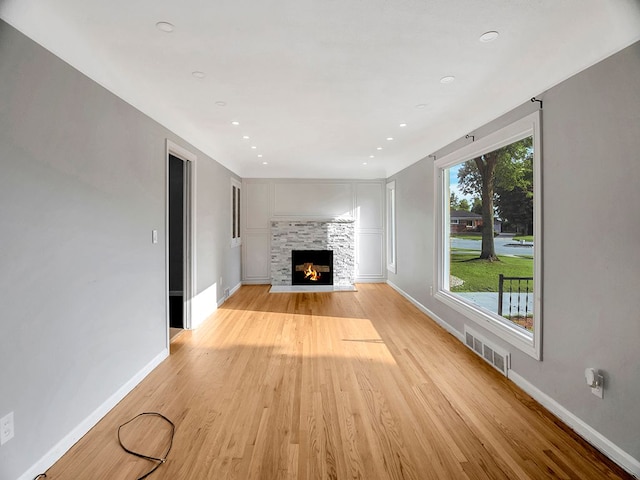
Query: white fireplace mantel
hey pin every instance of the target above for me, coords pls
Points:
(313, 219)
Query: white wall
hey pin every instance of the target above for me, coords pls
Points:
(82, 186)
(590, 240)
(266, 199)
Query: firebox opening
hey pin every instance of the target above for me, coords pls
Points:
(312, 267)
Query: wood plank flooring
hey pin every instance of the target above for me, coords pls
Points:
(349, 385)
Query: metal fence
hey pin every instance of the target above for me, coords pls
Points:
(518, 294)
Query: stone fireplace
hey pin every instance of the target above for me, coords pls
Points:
(335, 235)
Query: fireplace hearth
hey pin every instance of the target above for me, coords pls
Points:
(312, 267)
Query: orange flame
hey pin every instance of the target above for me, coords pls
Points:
(311, 274)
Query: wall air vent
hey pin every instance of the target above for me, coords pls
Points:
(493, 355)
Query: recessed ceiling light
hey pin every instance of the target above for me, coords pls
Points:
(235, 123)
(447, 79)
(253, 147)
(489, 36)
(245, 137)
(389, 138)
(364, 163)
(199, 75)
(421, 105)
(165, 27)
(260, 155)
(402, 125)
(265, 163)
(221, 104)
(372, 156)
(378, 148)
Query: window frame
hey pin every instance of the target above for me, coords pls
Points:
(236, 231)
(392, 240)
(531, 344)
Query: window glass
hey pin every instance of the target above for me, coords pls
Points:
(489, 255)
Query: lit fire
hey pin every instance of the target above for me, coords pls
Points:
(311, 274)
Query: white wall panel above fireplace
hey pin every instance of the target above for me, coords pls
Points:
(312, 199)
(268, 200)
(258, 212)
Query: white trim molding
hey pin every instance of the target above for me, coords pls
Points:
(236, 217)
(190, 230)
(391, 236)
(58, 450)
(529, 343)
(595, 438)
(428, 312)
(231, 292)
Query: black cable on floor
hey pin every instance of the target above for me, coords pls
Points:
(160, 460)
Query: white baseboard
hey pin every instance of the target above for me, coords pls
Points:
(370, 280)
(203, 305)
(595, 438)
(231, 292)
(428, 312)
(53, 455)
(257, 281)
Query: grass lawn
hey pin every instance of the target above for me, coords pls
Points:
(526, 238)
(467, 236)
(482, 276)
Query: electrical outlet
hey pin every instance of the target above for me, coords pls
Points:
(598, 390)
(6, 428)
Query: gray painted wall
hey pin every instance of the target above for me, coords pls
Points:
(82, 185)
(591, 235)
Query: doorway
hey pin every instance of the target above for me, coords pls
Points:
(179, 238)
(176, 241)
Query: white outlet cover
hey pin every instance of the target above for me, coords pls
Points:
(6, 428)
(599, 390)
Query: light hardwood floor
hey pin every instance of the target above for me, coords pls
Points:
(349, 385)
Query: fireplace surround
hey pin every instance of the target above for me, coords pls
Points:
(337, 235)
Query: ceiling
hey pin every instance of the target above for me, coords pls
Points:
(319, 86)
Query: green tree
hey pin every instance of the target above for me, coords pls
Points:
(502, 170)
(464, 205)
(514, 193)
(516, 209)
(453, 201)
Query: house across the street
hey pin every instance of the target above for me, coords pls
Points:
(464, 221)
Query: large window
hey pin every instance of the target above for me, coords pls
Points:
(489, 241)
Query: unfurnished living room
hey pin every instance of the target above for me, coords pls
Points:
(375, 240)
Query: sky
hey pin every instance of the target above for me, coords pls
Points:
(453, 184)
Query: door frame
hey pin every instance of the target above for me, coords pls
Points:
(189, 231)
